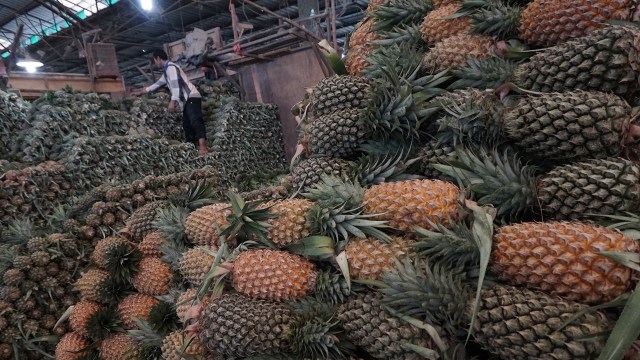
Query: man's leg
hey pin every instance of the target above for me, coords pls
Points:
(193, 114)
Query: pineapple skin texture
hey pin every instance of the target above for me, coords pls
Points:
(153, 278)
(195, 264)
(370, 258)
(151, 245)
(454, 51)
(368, 325)
(560, 258)
(413, 202)
(234, 325)
(291, 225)
(519, 324)
(605, 60)
(434, 28)
(100, 255)
(273, 275)
(173, 344)
(82, 311)
(546, 23)
(70, 347)
(138, 306)
(119, 347)
(201, 224)
(89, 285)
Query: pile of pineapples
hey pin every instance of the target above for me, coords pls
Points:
(15, 118)
(36, 289)
(30, 192)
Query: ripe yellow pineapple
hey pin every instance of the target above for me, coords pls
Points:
(151, 245)
(102, 252)
(560, 258)
(173, 347)
(154, 277)
(136, 306)
(454, 51)
(202, 224)
(370, 258)
(291, 225)
(413, 202)
(120, 347)
(72, 346)
(273, 275)
(436, 28)
(195, 264)
(360, 46)
(80, 315)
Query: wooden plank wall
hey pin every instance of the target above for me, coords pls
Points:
(282, 82)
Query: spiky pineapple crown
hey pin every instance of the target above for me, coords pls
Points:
(395, 12)
(102, 323)
(484, 73)
(495, 179)
(122, 261)
(247, 220)
(199, 193)
(170, 222)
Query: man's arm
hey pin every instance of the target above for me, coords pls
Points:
(158, 84)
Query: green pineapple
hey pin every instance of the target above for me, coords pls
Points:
(237, 326)
(600, 186)
(604, 60)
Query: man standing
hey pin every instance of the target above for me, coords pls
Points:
(184, 93)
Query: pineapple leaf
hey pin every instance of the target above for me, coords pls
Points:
(333, 58)
(64, 317)
(433, 333)
(317, 248)
(483, 235)
(626, 330)
(343, 264)
(103, 323)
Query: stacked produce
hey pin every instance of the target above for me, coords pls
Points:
(241, 135)
(105, 210)
(151, 117)
(14, 114)
(32, 192)
(36, 289)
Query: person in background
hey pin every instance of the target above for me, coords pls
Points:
(183, 93)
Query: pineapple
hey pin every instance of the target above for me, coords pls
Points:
(151, 245)
(274, 275)
(154, 277)
(309, 171)
(602, 186)
(405, 204)
(368, 325)
(236, 326)
(202, 224)
(140, 222)
(173, 347)
(546, 23)
(196, 263)
(512, 323)
(566, 126)
(73, 346)
(605, 60)
(339, 134)
(360, 46)
(292, 223)
(80, 316)
(454, 51)
(98, 286)
(117, 256)
(136, 306)
(434, 152)
(436, 27)
(13, 277)
(369, 258)
(396, 12)
(120, 347)
(561, 258)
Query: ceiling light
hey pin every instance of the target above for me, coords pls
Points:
(146, 5)
(29, 63)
